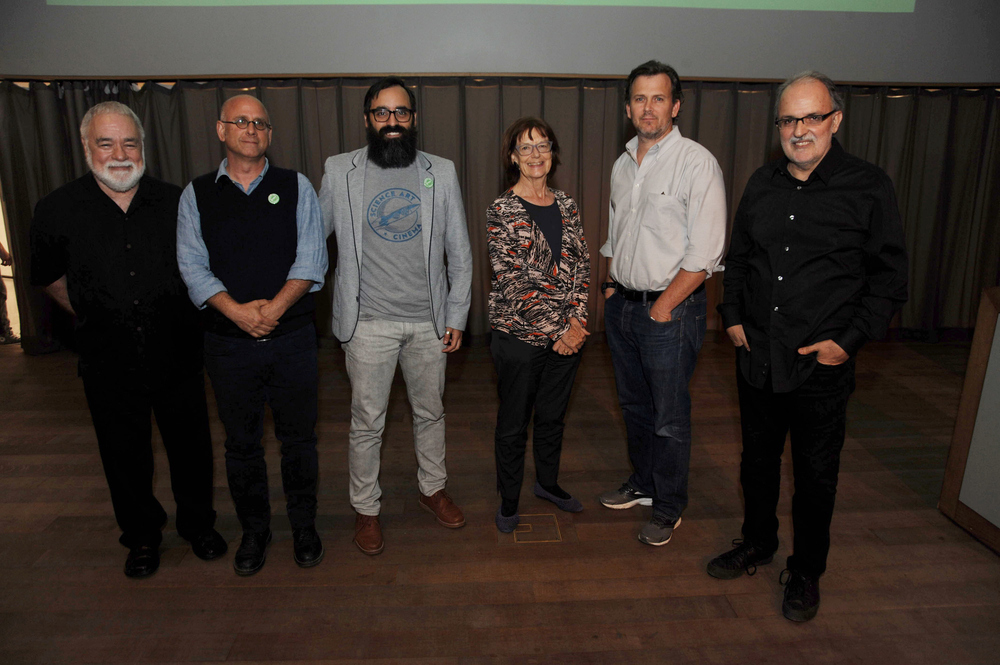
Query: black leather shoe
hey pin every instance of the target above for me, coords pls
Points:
(743, 558)
(209, 545)
(142, 561)
(307, 546)
(252, 552)
(801, 595)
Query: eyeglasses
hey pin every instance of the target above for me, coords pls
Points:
(811, 120)
(382, 113)
(243, 123)
(526, 149)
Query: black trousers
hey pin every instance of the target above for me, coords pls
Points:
(530, 379)
(815, 414)
(284, 373)
(121, 405)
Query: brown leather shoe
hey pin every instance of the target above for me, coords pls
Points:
(444, 509)
(368, 534)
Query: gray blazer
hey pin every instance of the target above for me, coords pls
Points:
(444, 231)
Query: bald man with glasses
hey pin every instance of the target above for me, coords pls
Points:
(251, 249)
(816, 267)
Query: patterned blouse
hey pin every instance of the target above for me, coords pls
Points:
(532, 296)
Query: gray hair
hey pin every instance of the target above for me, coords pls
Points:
(835, 97)
(105, 108)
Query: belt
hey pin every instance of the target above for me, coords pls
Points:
(647, 296)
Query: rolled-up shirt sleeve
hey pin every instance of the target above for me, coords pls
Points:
(192, 253)
(706, 218)
(311, 260)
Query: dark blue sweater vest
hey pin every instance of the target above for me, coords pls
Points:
(251, 241)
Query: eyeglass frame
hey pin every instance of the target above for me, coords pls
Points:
(784, 122)
(532, 147)
(256, 124)
(393, 112)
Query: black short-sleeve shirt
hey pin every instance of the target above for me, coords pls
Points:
(133, 312)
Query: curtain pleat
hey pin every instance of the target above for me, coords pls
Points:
(940, 146)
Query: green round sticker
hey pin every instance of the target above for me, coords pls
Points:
(428, 182)
(273, 198)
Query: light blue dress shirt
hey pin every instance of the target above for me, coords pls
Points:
(311, 260)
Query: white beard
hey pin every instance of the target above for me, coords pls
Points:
(117, 182)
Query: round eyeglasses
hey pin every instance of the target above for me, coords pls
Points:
(525, 149)
(382, 113)
(811, 120)
(243, 123)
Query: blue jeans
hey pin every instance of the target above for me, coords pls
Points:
(284, 373)
(653, 365)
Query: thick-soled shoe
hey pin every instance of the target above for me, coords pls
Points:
(11, 339)
(142, 561)
(307, 546)
(801, 595)
(743, 558)
(209, 545)
(444, 509)
(252, 552)
(625, 496)
(506, 524)
(368, 534)
(570, 505)
(659, 530)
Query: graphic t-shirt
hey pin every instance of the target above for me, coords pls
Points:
(393, 272)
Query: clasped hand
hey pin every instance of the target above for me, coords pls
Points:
(257, 317)
(572, 340)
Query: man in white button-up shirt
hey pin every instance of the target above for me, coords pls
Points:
(666, 236)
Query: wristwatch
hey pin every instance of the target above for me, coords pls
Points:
(607, 285)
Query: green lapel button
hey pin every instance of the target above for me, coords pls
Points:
(428, 182)
(273, 198)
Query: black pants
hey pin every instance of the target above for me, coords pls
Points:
(121, 405)
(531, 378)
(282, 372)
(815, 414)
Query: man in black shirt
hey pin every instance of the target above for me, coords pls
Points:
(816, 267)
(104, 248)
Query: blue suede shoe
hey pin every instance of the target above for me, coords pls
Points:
(506, 524)
(570, 505)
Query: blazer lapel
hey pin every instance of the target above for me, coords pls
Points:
(428, 188)
(356, 194)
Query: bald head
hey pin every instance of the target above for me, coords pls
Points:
(242, 102)
(250, 141)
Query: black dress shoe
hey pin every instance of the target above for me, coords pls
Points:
(307, 546)
(142, 561)
(252, 552)
(209, 545)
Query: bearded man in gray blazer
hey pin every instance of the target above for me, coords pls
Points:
(397, 213)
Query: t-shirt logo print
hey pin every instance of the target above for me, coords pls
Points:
(394, 215)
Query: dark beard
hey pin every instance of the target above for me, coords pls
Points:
(392, 153)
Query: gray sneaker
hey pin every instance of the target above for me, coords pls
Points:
(658, 531)
(625, 496)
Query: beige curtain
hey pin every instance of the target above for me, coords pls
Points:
(940, 146)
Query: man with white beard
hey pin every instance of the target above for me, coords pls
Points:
(104, 248)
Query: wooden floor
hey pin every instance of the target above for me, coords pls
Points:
(904, 585)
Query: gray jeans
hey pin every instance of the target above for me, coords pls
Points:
(371, 363)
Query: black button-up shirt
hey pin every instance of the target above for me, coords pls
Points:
(132, 308)
(812, 260)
